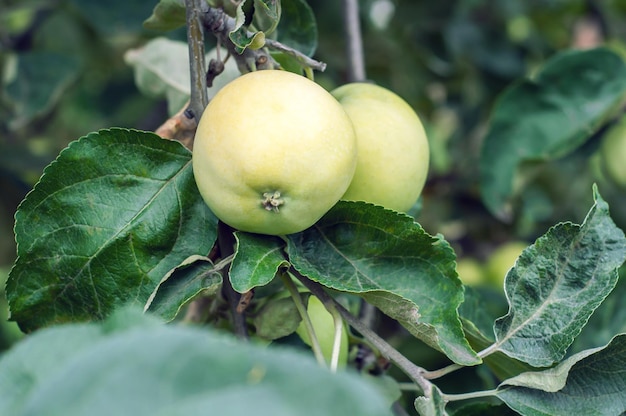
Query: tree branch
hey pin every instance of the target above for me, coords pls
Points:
(195, 39)
(220, 24)
(354, 39)
(413, 371)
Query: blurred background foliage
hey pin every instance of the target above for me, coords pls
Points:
(63, 75)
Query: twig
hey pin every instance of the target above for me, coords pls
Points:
(226, 243)
(195, 39)
(414, 372)
(220, 24)
(354, 39)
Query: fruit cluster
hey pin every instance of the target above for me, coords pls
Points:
(274, 151)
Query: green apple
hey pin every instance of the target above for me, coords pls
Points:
(273, 152)
(393, 153)
(324, 327)
(613, 153)
(501, 260)
(470, 271)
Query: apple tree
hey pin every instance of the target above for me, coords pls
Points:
(137, 298)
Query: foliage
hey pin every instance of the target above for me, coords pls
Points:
(116, 225)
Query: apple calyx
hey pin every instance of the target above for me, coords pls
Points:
(271, 201)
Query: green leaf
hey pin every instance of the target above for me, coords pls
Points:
(549, 116)
(591, 382)
(394, 264)
(115, 212)
(150, 369)
(297, 27)
(113, 17)
(277, 318)
(167, 15)
(478, 312)
(267, 15)
(609, 319)
(162, 70)
(484, 409)
(196, 275)
(41, 79)
(240, 36)
(557, 283)
(257, 259)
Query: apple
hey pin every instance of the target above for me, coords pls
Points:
(393, 152)
(324, 327)
(273, 152)
(613, 153)
(501, 261)
(470, 271)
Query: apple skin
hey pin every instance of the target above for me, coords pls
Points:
(470, 271)
(501, 260)
(324, 327)
(613, 153)
(393, 151)
(273, 152)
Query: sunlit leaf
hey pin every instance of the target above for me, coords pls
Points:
(557, 283)
(548, 116)
(162, 70)
(115, 212)
(147, 369)
(394, 264)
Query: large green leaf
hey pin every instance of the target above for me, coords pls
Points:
(592, 382)
(161, 68)
(394, 264)
(115, 212)
(145, 368)
(557, 283)
(40, 80)
(548, 116)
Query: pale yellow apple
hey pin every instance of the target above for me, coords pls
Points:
(470, 271)
(392, 146)
(501, 261)
(613, 153)
(273, 153)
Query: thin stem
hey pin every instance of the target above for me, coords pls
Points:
(197, 67)
(393, 355)
(431, 375)
(467, 396)
(295, 295)
(338, 321)
(354, 39)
